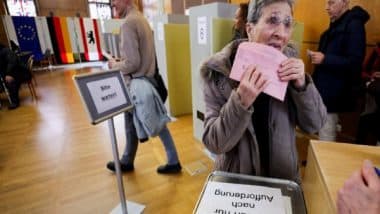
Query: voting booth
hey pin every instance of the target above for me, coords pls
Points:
(104, 95)
(210, 29)
(172, 44)
(226, 193)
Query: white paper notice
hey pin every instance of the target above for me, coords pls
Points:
(106, 94)
(202, 30)
(160, 31)
(223, 198)
(287, 204)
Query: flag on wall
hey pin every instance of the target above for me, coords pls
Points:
(112, 25)
(111, 37)
(90, 38)
(73, 37)
(10, 28)
(68, 50)
(27, 35)
(43, 34)
(63, 39)
(54, 40)
(77, 37)
(64, 36)
(111, 44)
(100, 35)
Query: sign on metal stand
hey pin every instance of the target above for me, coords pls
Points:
(104, 96)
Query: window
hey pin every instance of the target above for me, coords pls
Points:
(100, 9)
(21, 8)
(150, 9)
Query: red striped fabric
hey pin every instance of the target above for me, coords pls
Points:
(86, 54)
(97, 37)
(60, 41)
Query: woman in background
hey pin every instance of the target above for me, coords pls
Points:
(240, 21)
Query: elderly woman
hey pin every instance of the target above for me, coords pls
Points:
(251, 132)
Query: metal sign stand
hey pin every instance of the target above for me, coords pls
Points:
(5, 90)
(105, 95)
(122, 207)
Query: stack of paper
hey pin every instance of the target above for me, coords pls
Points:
(224, 198)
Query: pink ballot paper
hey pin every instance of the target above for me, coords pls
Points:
(267, 59)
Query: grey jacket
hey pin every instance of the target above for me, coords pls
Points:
(149, 113)
(229, 130)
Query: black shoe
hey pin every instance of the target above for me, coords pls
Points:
(13, 106)
(167, 169)
(123, 167)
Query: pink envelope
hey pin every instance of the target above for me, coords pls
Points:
(267, 59)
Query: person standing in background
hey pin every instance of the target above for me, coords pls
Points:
(240, 22)
(137, 63)
(338, 62)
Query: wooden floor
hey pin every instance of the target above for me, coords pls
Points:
(53, 161)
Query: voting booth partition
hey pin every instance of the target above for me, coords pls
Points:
(104, 96)
(225, 193)
(210, 30)
(297, 35)
(172, 44)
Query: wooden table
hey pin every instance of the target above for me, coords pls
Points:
(329, 164)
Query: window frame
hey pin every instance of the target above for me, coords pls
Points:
(35, 8)
(96, 3)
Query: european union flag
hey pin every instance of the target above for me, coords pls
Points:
(27, 35)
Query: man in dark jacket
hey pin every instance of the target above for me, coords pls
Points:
(338, 61)
(13, 72)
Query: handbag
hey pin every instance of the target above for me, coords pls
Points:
(160, 86)
(374, 90)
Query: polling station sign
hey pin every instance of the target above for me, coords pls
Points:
(103, 94)
(228, 198)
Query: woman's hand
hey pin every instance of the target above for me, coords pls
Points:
(251, 85)
(293, 70)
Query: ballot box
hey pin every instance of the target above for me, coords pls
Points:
(230, 193)
(329, 165)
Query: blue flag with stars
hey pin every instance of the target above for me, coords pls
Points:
(27, 35)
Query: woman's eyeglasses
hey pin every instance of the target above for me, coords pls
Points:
(275, 21)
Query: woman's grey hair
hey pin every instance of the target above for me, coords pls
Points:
(256, 7)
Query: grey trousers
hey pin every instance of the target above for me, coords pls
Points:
(129, 154)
